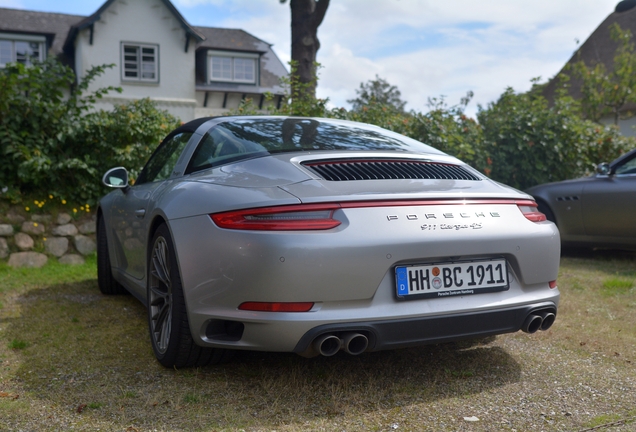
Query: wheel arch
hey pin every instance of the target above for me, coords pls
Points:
(546, 208)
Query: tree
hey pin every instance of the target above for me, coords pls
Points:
(609, 92)
(306, 17)
(377, 91)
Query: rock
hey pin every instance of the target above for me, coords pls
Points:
(56, 246)
(65, 230)
(42, 218)
(27, 259)
(87, 228)
(4, 248)
(23, 241)
(84, 245)
(35, 228)
(63, 218)
(15, 218)
(6, 230)
(72, 259)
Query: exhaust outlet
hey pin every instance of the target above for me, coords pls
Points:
(548, 319)
(532, 324)
(327, 344)
(355, 343)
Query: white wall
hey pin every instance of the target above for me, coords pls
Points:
(141, 21)
(626, 126)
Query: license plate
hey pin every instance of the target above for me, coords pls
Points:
(451, 279)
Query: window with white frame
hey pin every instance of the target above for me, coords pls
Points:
(232, 67)
(139, 62)
(23, 49)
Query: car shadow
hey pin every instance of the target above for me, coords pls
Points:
(81, 348)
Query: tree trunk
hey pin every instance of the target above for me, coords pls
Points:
(306, 16)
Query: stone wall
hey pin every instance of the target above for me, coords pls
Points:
(30, 240)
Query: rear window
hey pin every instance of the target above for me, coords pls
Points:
(251, 137)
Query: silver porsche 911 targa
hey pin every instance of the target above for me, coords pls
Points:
(313, 236)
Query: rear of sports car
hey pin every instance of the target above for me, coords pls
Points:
(363, 251)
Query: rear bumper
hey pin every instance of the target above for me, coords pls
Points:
(403, 333)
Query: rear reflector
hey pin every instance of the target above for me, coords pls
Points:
(553, 284)
(276, 307)
(282, 218)
(529, 210)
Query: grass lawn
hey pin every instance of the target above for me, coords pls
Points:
(72, 359)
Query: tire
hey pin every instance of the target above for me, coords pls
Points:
(545, 209)
(170, 335)
(105, 280)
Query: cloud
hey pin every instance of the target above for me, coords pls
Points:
(432, 48)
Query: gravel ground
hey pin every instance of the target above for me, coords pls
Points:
(87, 365)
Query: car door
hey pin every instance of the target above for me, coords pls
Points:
(609, 203)
(130, 208)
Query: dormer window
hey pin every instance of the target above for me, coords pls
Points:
(23, 49)
(232, 67)
(139, 62)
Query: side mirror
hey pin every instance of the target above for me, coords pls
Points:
(116, 178)
(603, 169)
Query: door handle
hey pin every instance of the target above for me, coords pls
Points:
(140, 213)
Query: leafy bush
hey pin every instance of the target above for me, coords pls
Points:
(125, 136)
(52, 144)
(529, 142)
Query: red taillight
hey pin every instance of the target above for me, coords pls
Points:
(282, 218)
(553, 284)
(529, 210)
(276, 307)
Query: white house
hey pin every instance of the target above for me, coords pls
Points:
(190, 71)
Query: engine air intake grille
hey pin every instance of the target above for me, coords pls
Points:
(387, 170)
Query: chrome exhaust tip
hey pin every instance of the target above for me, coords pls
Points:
(327, 344)
(355, 343)
(548, 319)
(532, 324)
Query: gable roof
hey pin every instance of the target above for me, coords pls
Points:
(54, 26)
(231, 39)
(598, 48)
(90, 20)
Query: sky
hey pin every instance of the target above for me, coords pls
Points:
(427, 48)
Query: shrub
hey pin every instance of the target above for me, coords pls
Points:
(125, 136)
(52, 143)
(528, 142)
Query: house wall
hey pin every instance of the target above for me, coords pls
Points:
(627, 126)
(214, 104)
(141, 21)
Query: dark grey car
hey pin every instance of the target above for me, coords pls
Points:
(597, 211)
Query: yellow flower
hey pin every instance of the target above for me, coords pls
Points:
(27, 209)
(63, 201)
(81, 207)
(35, 202)
(35, 224)
(50, 196)
(74, 210)
(44, 238)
